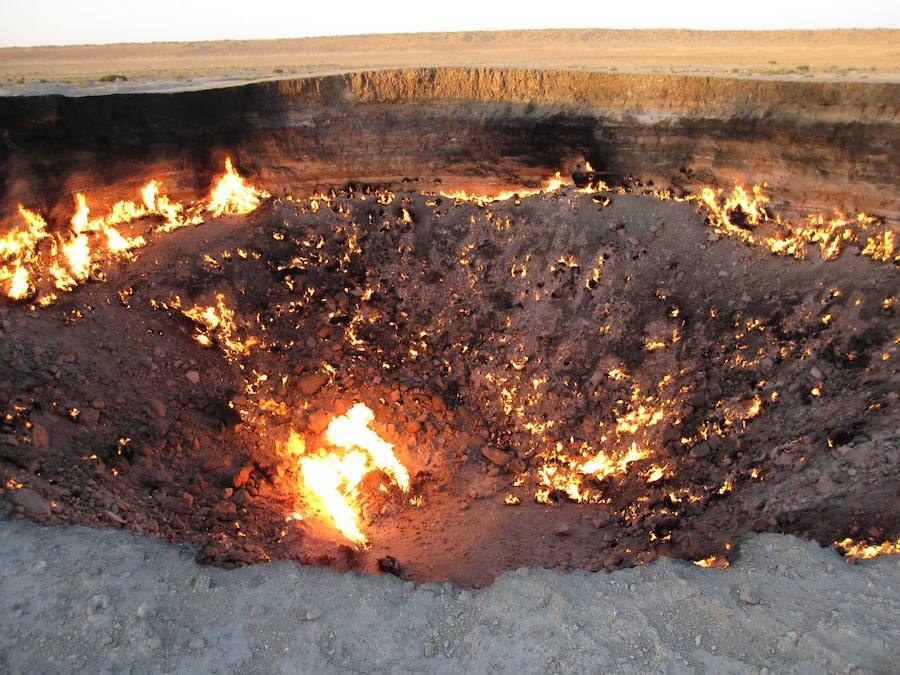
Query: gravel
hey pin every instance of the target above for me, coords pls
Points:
(80, 600)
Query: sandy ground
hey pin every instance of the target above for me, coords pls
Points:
(872, 55)
(79, 600)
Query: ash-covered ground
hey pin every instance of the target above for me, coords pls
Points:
(572, 380)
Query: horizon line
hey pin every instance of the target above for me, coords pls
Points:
(451, 32)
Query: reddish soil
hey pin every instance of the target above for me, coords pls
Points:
(789, 366)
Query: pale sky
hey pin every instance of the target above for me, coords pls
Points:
(59, 22)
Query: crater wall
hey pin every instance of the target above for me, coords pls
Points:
(818, 144)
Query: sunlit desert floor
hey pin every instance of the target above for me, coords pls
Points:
(842, 55)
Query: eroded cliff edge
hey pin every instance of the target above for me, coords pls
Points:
(819, 145)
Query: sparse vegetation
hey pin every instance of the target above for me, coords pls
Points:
(113, 77)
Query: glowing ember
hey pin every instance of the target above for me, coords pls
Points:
(334, 476)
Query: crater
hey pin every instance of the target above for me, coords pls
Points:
(443, 323)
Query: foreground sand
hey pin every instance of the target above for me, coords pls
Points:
(868, 55)
(78, 600)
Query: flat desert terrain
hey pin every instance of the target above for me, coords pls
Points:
(824, 55)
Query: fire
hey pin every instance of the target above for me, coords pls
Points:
(714, 562)
(32, 257)
(550, 185)
(740, 213)
(218, 322)
(334, 480)
(352, 431)
(333, 476)
(602, 465)
(858, 550)
(232, 196)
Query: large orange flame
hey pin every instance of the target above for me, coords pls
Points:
(333, 476)
(232, 196)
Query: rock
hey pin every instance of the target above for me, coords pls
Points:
(601, 519)
(40, 439)
(516, 466)
(98, 403)
(257, 611)
(193, 377)
(437, 403)
(115, 518)
(225, 511)
(34, 505)
(428, 649)
(496, 456)
(562, 529)
(156, 408)
(318, 421)
(747, 595)
(700, 450)
(241, 498)
(178, 504)
(201, 584)
(196, 644)
(242, 475)
(390, 565)
(313, 614)
(90, 416)
(310, 383)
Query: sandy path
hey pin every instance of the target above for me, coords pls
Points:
(79, 600)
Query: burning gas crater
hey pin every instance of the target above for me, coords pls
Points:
(450, 385)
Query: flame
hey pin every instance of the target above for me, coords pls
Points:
(74, 254)
(603, 465)
(739, 213)
(550, 185)
(713, 561)
(859, 550)
(18, 253)
(218, 321)
(232, 196)
(352, 430)
(333, 479)
(334, 476)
